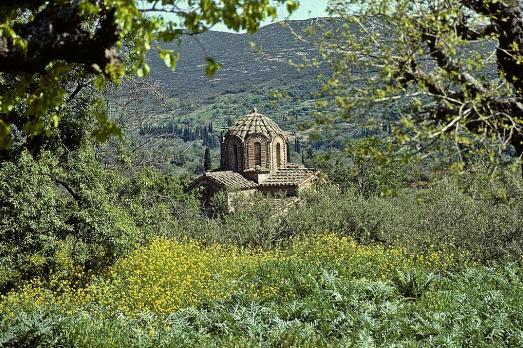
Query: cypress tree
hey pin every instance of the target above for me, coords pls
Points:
(207, 160)
(310, 155)
(297, 145)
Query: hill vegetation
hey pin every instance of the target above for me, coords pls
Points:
(271, 70)
(340, 268)
(412, 236)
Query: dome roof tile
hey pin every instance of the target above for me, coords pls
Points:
(255, 123)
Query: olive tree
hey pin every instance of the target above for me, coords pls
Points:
(453, 69)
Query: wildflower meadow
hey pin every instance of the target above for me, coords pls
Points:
(323, 290)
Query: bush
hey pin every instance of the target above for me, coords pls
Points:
(480, 216)
(58, 217)
(472, 214)
(255, 223)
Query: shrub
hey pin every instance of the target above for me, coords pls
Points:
(63, 217)
(472, 214)
(475, 215)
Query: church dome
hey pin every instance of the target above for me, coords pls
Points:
(255, 144)
(255, 123)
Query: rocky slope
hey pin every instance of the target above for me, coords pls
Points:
(243, 66)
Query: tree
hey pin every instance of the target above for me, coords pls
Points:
(61, 218)
(297, 145)
(453, 68)
(207, 162)
(51, 50)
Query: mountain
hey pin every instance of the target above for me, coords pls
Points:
(243, 67)
(185, 111)
(173, 116)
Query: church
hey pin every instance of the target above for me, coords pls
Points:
(254, 159)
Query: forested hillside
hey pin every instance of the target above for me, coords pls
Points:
(281, 70)
(183, 112)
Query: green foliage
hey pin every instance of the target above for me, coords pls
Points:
(254, 222)
(219, 204)
(99, 256)
(257, 276)
(323, 291)
(207, 161)
(474, 213)
(64, 217)
(31, 209)
(431, 71)
(368, 169)
(39, 328)
(105, 42)
(448, 215)
(212, 67)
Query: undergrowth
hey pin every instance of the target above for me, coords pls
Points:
(323, 290)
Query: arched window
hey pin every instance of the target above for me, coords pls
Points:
(278, 155)
(257, 154)
(236, 161)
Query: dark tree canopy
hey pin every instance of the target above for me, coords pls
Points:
(207, 161)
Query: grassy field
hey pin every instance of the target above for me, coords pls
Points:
(318, 291)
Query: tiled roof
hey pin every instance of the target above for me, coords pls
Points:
(290, 175)
(255, 123)
(230, 180)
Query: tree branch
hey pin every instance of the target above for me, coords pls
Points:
(444, 62)
(507, 17)
(468, 33)
(67, 188)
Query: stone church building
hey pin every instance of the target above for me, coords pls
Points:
(254, 158)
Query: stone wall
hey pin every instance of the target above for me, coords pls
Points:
(288, 190)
